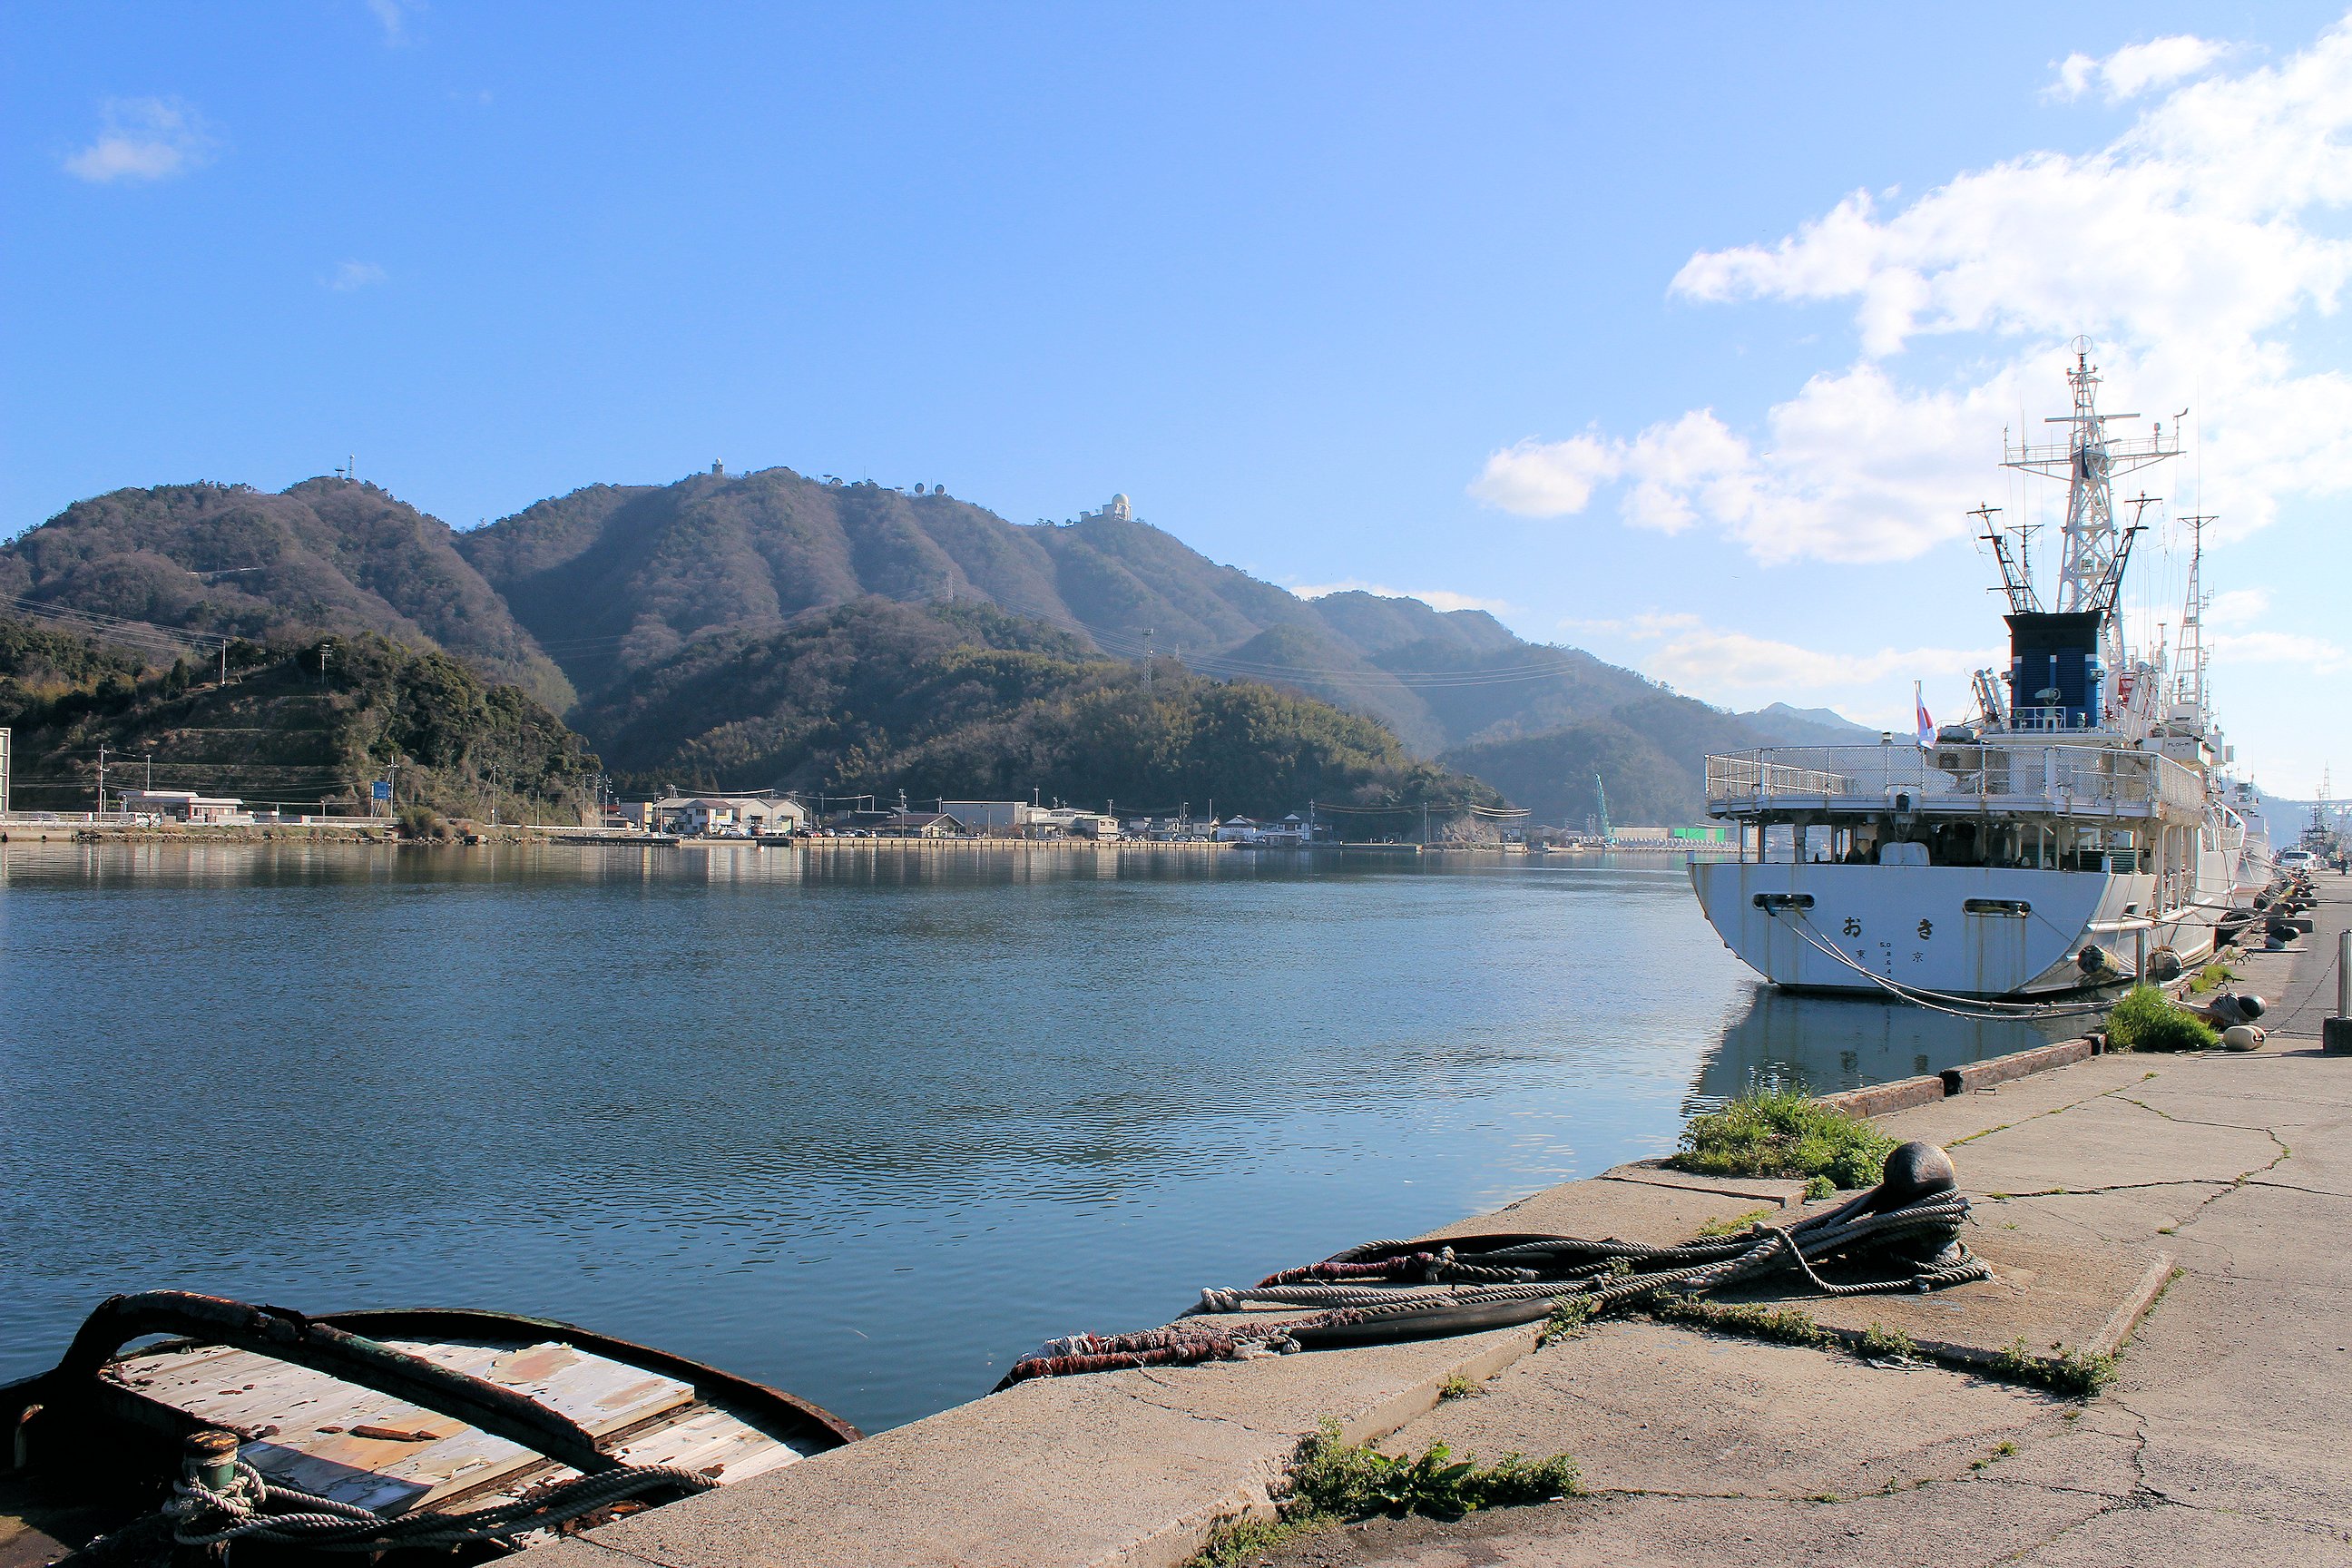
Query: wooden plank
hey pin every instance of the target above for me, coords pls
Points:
(305, 1420)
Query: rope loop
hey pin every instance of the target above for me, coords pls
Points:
(1389, 1289)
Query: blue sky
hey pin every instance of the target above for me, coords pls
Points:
(1573, 312)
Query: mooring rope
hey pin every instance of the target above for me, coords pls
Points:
(254, 1508)
(1392, 1289)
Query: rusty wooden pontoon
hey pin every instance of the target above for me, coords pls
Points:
(451, 1413)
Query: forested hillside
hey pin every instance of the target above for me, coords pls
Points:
(326, 556)
(965, 700)
(598, 602)
(309, 725)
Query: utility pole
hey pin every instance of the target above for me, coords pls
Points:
(224, 680)
(150, 785)
(101, 778)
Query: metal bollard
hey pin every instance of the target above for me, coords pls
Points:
(207, 1458)
(2336, 1034)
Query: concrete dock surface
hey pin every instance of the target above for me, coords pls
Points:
(2192, 1212)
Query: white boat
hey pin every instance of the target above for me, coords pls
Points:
(2079, 824)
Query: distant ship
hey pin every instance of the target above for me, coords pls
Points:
(2079, 830)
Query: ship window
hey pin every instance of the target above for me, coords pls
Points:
(1784, 901)
(1998, 907)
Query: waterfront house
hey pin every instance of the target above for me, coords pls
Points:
(187, 805)
(920, 825)
(1238, 829)
(726, 815)
(999, 817)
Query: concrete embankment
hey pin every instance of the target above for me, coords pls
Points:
(2098, 1184)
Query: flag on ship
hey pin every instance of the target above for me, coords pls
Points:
(1927, 725)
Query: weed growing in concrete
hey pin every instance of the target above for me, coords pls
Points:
(1333, 1479)
(1878, 1343)
(2000, 1450)
(2070, 1371)
(1784, 1325)
(1783, 1133)
(1732, 1224)
(2147, 1020)
(1568, 1319)
(1457, 1386)
(1818, 1188)
(1234, 1542)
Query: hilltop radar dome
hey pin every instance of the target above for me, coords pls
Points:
(1120, 508)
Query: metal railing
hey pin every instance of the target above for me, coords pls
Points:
(2032, 776)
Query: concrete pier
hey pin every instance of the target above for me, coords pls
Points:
(2220, 1183)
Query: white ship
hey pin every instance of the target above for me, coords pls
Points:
(2072, 832)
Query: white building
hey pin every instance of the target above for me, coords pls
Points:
(725, 816)
(989, 815)
(187, 805)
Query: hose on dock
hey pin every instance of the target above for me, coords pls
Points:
(1399, 1289)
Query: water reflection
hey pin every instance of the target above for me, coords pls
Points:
(1825, 1044)
(861, 1122)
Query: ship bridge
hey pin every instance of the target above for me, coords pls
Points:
(1999, 801)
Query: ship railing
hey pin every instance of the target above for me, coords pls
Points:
(2035, 776)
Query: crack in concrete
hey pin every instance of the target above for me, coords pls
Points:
(623, 1552)
(2053, 1110)
(1207, 1417)
(2225, 1182)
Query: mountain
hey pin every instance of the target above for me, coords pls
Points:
(1782, 725)
(609, 578)
(327, 555)
(586, 600)
(964, 700)
(291, 726)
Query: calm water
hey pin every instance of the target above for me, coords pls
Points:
(866, 1127)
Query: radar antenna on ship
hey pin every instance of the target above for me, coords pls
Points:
(2094, 549)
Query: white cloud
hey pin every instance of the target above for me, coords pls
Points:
(2238, 607)
(144, 139)
(2189, 246)
(2135, 67)
(1435, 598)
(392, 15)
(1735, 666)
(2311, 656)
(353, 275)
(1548, 479)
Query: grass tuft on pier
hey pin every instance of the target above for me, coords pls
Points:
(2146, 1020)
(1332, 1481)
(1783, 1132)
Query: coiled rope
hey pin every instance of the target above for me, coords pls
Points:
(1397, 1290)
(254, 1509)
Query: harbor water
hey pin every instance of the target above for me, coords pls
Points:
(868, 1124)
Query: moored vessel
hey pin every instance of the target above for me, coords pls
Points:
(386, 1433)
(2077, 831)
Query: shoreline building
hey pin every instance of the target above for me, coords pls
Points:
(187, 805)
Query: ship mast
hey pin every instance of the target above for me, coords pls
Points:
(2094, 549)
(2189, 693)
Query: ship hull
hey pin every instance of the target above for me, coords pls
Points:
(1954, 930)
